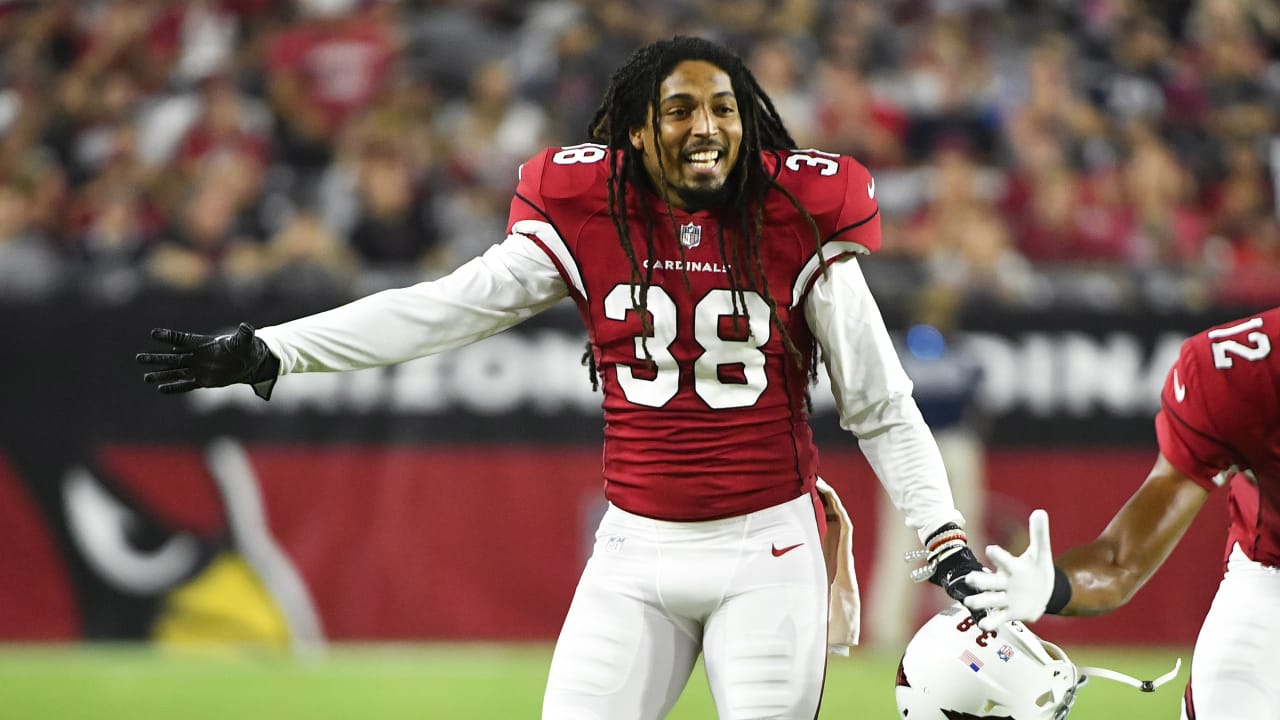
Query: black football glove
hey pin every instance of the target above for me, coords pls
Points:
(951, 572)
(949, 561)
(209, 361)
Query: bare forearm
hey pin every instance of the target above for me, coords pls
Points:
(1099, 584)
(1105, 573)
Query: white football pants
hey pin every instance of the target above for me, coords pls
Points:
(749, 592)
(1233, 670)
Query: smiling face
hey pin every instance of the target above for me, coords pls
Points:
(699, 135)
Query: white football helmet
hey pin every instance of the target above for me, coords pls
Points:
(953, 670)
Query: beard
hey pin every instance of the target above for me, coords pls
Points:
(696, 199)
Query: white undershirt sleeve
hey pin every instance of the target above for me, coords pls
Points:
(509, 283)
(873, 395)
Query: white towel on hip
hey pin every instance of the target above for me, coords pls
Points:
(844, 603)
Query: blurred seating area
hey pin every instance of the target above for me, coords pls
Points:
(1104, 153)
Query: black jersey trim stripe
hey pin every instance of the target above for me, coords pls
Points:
(533, 206)
(854, 226)
(550, 236)
(1225, 446)
(545, 236)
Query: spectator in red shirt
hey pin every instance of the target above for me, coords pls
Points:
(324, 70)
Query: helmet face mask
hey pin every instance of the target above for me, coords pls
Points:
(953, 670)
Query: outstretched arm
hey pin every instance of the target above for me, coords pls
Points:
(1099, 576)
(1105, 573)
(506, 285)
(509, 283)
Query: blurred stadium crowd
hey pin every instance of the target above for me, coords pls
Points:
(1100, 152)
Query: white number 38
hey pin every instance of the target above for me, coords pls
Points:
(718, 351)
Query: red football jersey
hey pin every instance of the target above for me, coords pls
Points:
(712, 422)
(1220, 421)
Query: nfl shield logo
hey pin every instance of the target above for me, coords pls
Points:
(690, 235)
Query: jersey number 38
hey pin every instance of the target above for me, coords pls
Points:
(717, 351)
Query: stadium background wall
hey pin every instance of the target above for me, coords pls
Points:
(454, 497)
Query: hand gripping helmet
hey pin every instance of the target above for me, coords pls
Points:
(953, 670)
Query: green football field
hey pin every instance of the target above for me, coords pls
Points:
(436, 682)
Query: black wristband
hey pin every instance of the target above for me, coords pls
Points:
(1061, 594)
(949, 527)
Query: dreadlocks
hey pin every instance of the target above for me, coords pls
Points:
(633, 91)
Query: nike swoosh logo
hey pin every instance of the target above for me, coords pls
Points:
(779, 552)
(871, 188)
(1179, 390)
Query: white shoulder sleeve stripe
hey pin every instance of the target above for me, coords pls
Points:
(548, 236)
(828, 251)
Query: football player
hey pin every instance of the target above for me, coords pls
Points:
(711, 261)
(1218, 425)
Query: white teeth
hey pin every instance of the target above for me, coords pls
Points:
(704, 159)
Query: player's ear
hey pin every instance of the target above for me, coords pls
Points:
(637, 138)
